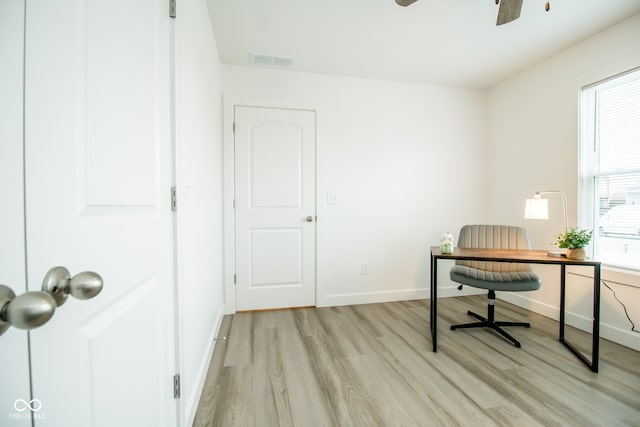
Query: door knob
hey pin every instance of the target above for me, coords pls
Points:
(35, 308)
(27, 311)
(59, 283)
(309, 218)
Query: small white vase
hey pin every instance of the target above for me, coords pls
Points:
(446, 249)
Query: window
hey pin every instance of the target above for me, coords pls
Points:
(610, 169)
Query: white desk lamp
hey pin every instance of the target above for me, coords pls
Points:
(538, 208)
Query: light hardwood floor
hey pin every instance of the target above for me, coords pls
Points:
(372, 365)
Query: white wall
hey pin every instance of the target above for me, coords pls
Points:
(407, 162)
(199, 183)
(533, 146)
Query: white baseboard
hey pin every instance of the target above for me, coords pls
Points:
(191, 405)
(452, 291)
(390, 296)
(612, 333)
(626, 338)
(540, 308)
(371, 297)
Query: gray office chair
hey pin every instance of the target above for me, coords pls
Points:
(494, 276)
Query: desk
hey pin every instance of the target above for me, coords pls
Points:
(525, 257)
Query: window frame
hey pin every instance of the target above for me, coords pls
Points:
(590, 174)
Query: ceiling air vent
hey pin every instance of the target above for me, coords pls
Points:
(278, 61)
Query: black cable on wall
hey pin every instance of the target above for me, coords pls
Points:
(633, 326)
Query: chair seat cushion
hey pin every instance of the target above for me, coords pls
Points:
(515, 281)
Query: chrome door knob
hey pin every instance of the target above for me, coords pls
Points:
(55, 282)
(59, 283)
(85, 285)
(35, 308)
(309, 218)
(26, 311)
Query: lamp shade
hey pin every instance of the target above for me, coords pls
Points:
(537, 208)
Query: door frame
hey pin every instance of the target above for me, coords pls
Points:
(229, 104)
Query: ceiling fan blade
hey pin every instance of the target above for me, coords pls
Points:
(508, 11)
(405, 2)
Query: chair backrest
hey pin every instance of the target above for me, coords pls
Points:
(495, 237)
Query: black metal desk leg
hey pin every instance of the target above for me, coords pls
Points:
(434, 303)
(595, 349)
(563, 296)
(595, 345)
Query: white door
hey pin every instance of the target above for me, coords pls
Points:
(97, 185)
(275, 207)
(15, 397)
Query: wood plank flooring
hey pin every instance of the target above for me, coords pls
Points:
(372, 365)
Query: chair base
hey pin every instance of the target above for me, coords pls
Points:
(490, 321)
(496, 326)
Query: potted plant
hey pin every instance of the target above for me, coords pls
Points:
(574, 240)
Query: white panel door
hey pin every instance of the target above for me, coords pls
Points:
(98, 178)
(14, 369)
(275, 207)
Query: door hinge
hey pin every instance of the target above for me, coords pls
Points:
(234, 279)
(176, 386)
(174, 199)
(234, 203)
(234, 127)
(172, 8)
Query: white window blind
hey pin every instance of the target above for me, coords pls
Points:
(610, 169)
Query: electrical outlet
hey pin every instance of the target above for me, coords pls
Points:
(365, 268)
(332, 198)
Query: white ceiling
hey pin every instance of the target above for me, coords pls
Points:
(444, 42)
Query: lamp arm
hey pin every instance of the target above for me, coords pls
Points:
(564, 204)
